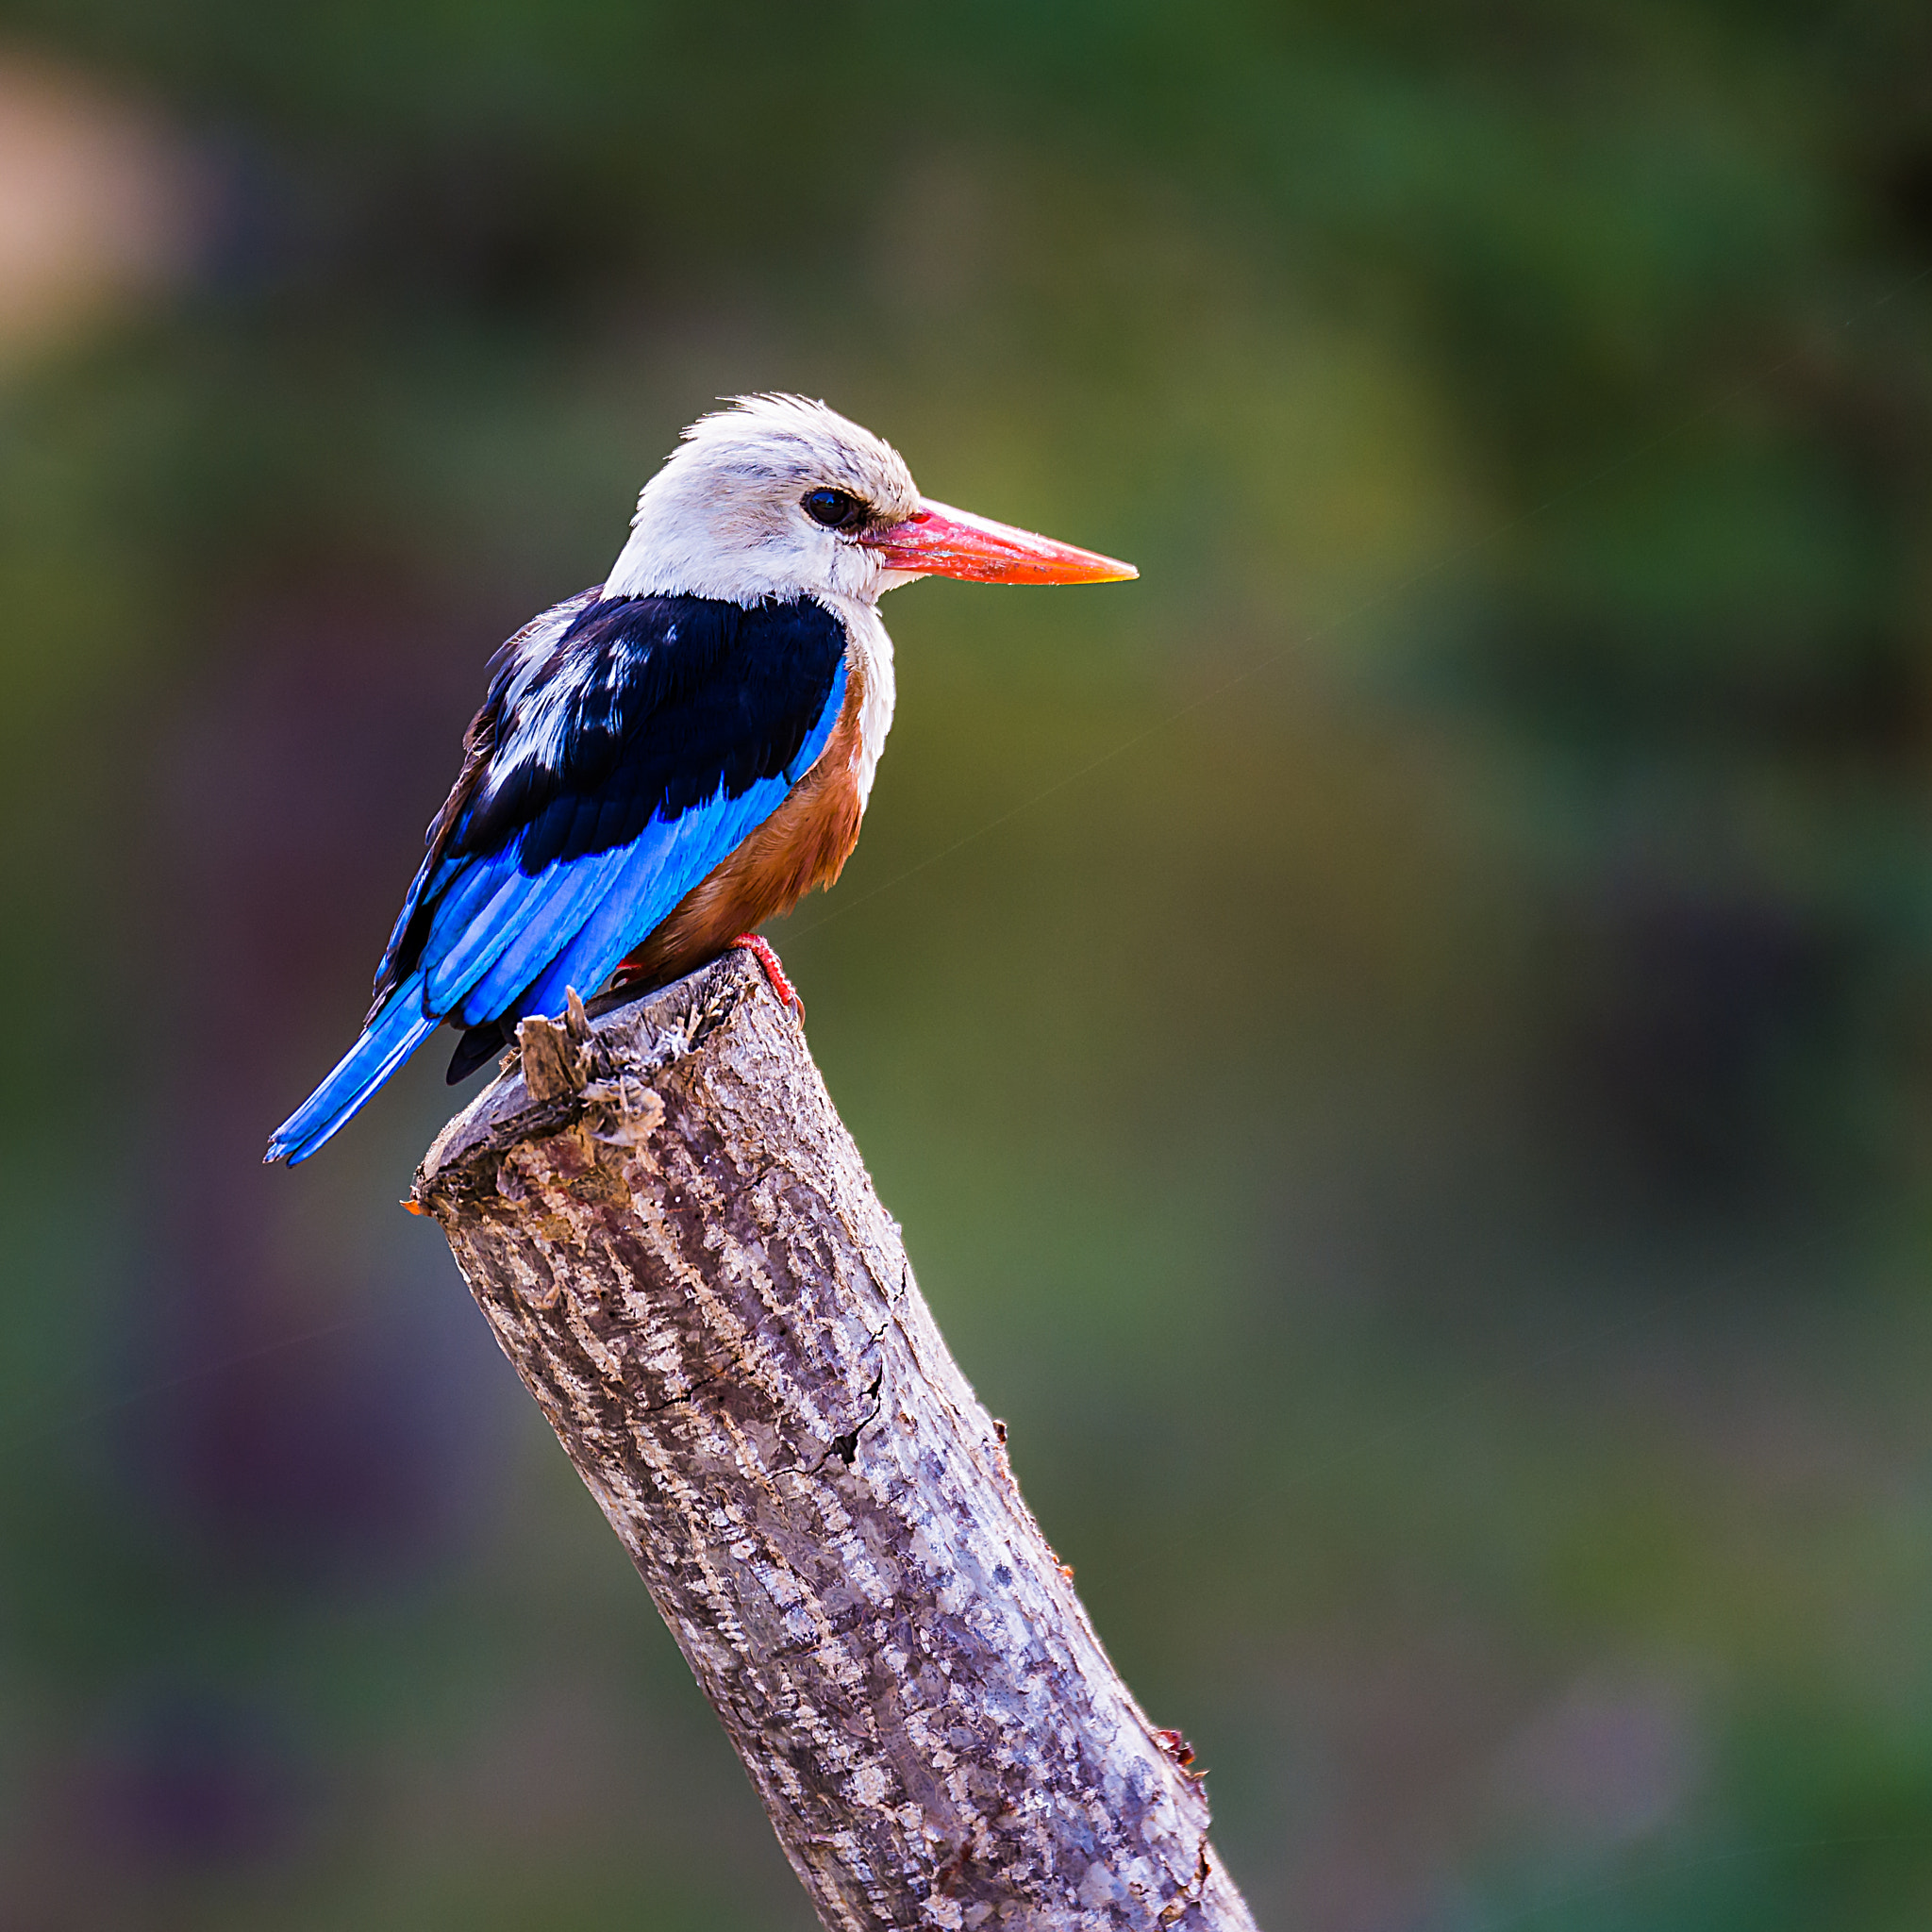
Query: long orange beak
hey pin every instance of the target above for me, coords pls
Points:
(937, 541)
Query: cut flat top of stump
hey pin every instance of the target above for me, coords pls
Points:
(635, 1036)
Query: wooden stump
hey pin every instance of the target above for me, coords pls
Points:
(678, 1245)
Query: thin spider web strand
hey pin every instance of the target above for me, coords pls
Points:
(1389, 593)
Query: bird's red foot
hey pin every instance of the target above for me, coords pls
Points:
(761, 951)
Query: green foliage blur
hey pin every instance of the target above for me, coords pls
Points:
(1400, 1041)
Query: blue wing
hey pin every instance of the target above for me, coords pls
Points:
(624, 752)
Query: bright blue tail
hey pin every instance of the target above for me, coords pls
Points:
(386, 1041)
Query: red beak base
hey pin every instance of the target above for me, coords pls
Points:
(938, 541)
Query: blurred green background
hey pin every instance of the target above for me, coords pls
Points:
(1402, 1043)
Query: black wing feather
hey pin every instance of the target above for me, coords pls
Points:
(655, 705)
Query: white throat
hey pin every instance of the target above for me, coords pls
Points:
(872, 646)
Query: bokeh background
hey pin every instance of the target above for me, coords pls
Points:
(1402, 1043)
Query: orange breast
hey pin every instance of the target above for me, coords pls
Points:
(804, 844)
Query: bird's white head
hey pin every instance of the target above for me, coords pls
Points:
(779, 496)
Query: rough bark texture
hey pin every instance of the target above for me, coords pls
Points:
(678, 1245)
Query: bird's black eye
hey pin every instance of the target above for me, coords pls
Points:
(835, 509)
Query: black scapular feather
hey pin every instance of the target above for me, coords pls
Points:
(676, 700)
(649, 706)
(673, 701)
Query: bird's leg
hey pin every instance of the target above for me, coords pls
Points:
(641, 967)
(775, 974)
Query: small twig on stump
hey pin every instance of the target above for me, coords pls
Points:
(678, 1247)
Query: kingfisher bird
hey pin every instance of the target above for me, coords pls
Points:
(671, 757)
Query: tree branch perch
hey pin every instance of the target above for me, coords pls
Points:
(678, 1248)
